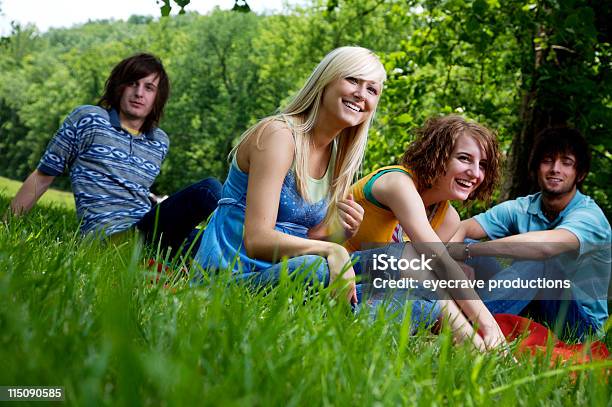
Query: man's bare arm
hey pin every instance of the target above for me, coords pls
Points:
(469, 229)
(538, 245)
(531, 245)
(31, 190)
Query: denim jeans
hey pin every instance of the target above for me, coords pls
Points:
(564, 317)
(313, 270)
(506, 300)
(424, 307)
(424, 312)
(562, 314)
(173, 221)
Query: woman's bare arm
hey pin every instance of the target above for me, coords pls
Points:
(267, 161)
(398, 192)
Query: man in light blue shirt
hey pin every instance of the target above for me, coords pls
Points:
(559, 240)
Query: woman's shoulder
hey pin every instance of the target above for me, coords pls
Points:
(274, 132)
(373, 176)
(449, 213)
(390, 168)
(385, 185)
(393, 176)
(270, 144)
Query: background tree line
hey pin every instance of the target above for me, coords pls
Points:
(516, 66)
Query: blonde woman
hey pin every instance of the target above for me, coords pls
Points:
(291, 172)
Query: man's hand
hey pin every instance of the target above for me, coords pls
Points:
(351, 215)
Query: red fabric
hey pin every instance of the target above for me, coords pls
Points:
(536, 337)
(161, 268)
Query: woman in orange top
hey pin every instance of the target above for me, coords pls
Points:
(451, 159)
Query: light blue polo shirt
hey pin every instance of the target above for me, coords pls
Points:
(586, 221)
(111, 170)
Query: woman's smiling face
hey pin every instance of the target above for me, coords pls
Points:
(348, 102)
(465, 170)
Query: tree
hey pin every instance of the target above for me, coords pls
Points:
(566, 80)
(518, 69)
(215, 95)
(513, 66)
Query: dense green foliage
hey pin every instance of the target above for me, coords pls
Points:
(515, 66)
(87, 316)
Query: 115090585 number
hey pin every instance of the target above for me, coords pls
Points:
(8, 393)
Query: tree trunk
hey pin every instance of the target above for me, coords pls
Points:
(536, 114)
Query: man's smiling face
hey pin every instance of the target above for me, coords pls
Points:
(557, 174)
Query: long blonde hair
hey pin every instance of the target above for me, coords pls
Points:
(302, 111)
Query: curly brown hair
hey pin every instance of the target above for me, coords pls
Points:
(427, 156)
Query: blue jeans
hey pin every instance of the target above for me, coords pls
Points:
(173, 221)
(562, 314)
(564, 317)
(424, 308)
(423, 313)
(313, 270)
(506, 300)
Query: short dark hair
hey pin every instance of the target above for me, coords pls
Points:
(428, 155)
(132, 69)
(557, 141)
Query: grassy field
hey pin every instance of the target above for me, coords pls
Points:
(88, 316)
(9, 187)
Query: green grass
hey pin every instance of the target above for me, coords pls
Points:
(85, 315)
(9, 187)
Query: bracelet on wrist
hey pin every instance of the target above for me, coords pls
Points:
(466, 251)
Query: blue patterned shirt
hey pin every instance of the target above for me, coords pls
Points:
(111, 170)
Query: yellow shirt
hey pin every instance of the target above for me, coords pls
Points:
(378, 222)
(132, 131)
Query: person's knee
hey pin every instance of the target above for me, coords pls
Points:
(210, 186)
(207, 192)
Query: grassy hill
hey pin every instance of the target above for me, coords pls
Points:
(89, 316)
(9, 188)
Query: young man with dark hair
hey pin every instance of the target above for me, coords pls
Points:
(555, 234)
(114, 152)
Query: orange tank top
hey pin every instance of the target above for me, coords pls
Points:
(378, 222)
